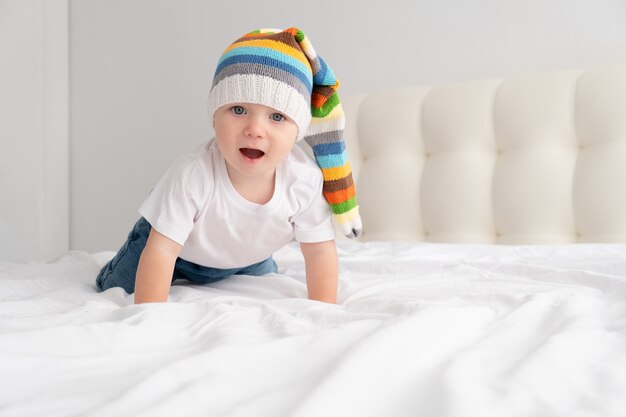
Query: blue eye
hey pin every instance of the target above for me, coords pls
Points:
(238, 110)
(277, 117)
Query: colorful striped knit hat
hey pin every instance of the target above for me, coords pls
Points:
(280, 69)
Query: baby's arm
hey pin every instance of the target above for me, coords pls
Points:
(154, 273)
(322, 270)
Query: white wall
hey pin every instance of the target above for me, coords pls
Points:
(141, 70)
(34, 141)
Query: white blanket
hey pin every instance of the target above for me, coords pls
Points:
(421, 330)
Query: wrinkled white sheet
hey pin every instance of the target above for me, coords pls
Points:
(421, 330)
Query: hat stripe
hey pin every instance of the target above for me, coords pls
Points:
(344, 206)
(326, 137)
(328, 148)
(325, 75)
(263, 70)
(323, 93)
(286, 39)
(268, 62)
(334, 160)
(337, 185)
(273, 34)
(334, 121)
(271, 46)
(262, 55)
(336, 197)
(326, 108)
(336, 173)
(347, 217)
(304, 67)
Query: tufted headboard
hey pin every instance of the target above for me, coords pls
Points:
(528, 160)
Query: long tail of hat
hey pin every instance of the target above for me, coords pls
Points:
(325, 136)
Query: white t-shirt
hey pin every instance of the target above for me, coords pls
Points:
(196, 205)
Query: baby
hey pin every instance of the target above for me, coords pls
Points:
(226, 208)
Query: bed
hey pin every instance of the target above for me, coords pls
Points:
(490, 280)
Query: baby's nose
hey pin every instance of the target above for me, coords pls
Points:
(255, 127)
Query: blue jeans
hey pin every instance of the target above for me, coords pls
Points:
(122, 269)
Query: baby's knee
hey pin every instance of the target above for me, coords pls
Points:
(107, 279)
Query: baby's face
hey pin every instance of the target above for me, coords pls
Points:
(253, 138)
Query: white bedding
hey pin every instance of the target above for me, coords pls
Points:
(421, 330)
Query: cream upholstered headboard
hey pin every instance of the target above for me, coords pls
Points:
(529, 160)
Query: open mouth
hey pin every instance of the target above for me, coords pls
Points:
(251, 153)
